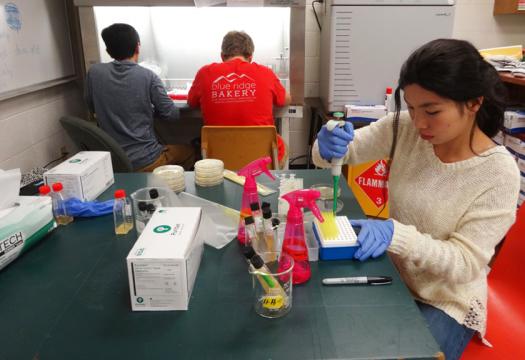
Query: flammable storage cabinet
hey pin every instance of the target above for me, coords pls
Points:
(365, 42)
(369, 183)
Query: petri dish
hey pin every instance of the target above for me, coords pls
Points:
(326, 190)
(328, 204)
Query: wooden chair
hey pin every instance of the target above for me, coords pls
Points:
(506, 300)
(237, 146)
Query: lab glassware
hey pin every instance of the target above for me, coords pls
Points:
(145, 201)
(59, 206)
(272, 282)
(122, 215)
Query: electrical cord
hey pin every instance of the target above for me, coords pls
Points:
(55, 160)
(315, 12)
(292, 160)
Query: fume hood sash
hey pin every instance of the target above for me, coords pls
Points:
(277, 3)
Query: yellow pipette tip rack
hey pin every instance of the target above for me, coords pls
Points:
(328, 227)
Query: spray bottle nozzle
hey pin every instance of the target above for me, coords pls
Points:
(302, 199)
(257, 167)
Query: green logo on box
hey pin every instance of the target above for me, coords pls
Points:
(162, 229)
(140, 300)
(74, 161)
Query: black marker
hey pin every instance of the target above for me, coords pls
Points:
(359, 280)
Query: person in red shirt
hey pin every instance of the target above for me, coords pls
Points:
(238, 91)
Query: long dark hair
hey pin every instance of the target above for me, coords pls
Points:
(454, 69)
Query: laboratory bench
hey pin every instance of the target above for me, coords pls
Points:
(68, 298)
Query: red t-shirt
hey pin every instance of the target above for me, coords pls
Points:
(236, 93)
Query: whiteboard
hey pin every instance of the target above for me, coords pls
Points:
(35, 47)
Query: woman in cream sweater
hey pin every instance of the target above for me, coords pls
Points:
(453, 192)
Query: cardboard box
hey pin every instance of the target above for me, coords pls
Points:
(515, 121)
(85, 175)
(24, 225)
(163, 263)
(516, 145)
(499, 138)
(521, 165)
(365, 113)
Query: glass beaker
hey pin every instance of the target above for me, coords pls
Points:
(272, 285)
(145, 202)
(326, 199)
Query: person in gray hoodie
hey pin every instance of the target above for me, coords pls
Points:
(125, 97)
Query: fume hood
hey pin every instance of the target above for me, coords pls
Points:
(177, 38)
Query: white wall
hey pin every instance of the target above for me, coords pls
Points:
(30, 132)
(473, 21)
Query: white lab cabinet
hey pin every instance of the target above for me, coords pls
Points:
(364, 44)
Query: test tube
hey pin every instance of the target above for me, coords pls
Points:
(249, 228)
(154, 194)
(277, 241)
(257, 217)
(269, 283)
(268, 233)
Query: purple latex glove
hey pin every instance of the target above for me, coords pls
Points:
(374, 238)
(334, 144)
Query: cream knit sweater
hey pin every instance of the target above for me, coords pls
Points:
(448, 217)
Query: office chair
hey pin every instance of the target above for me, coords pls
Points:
(506, 300)
(88, 136)
(237, 146)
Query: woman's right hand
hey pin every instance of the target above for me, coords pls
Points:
(334, 144)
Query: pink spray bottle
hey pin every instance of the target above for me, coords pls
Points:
(294, 243)
(249, 194)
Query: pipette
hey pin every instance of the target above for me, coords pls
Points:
(336, 163)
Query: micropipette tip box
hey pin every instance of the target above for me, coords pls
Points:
(342, 247)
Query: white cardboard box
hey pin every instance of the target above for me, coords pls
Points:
(85, 175)
(163, 263)
(514, 121)
(365, 112)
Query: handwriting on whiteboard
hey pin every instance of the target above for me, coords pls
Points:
(12, 16)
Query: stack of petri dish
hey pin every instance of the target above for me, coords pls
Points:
(173, 176)
(209, 172)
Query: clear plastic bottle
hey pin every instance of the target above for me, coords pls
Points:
(59, 207)
(388, 100)
(122, 215)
